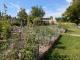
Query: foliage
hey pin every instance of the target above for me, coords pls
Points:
(71, 27)
(0, 15)
(4, 34)
(37, 21)
(67, 25)
(30, 20)
(30, 45)
(37, 12)
(4, 28)
(16, 23)
(73, 12)
(36, 37)
(67, 48)
(22, 15)
(59, 18)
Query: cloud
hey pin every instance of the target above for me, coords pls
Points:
(14, 5)
(56, 13)
(17, 7)
(12, 9)
(69, 1)
(28, 11)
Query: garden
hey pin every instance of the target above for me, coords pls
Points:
(67, 48)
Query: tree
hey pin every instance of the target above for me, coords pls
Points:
(59, 18)
(22, 15)
(72, 13)
(37, 21)
(37, 12)
(0, 15)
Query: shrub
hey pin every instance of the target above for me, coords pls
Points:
(4, 28)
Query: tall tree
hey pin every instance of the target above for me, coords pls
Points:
(22, 15)
(0, 15)
(72, 13)
(37, 12)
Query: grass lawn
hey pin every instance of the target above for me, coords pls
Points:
(71, 27)
(67, 48)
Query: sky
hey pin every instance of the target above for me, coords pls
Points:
(53, 8)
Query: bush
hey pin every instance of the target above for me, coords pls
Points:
(35, 37)
(38, 21)
(4, 29)
(16, 23)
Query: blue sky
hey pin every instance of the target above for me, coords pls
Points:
(51, 7)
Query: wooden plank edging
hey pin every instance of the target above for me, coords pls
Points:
(41, 57)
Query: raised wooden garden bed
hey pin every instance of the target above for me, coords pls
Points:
(44, 49)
